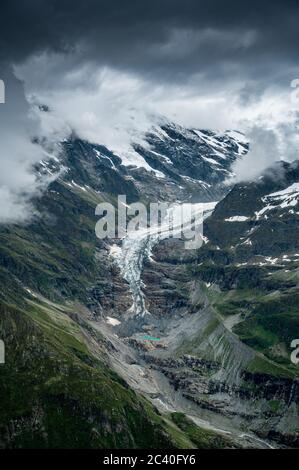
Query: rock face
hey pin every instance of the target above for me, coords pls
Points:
(204, 361)
(170, 163)
(208, 332)
(261, 218)
(195, 160)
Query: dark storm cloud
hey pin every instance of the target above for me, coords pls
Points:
(166, 37)
(105, 68)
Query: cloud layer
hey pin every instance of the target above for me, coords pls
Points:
(18, 155)
(105, 68)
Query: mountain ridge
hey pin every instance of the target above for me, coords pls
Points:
(60, 282)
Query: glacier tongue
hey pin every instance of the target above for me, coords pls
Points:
(136, 247)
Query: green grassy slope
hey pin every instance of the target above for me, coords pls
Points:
(54, 392)
(56, 387)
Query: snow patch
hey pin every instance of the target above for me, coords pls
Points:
(112, 321)
(237, 218)
(288, 197)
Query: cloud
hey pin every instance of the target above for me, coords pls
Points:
(17, 155)
(263, 152)
(106, 68)
(129, 35)
(266, 147)
(113, 108)
(271, 126)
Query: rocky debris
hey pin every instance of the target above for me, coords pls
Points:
(171, 300)
(110, 295)
(269, 387)
(145, 344)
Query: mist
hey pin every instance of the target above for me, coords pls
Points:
(107, 73)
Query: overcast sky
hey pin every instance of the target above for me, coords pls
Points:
(105, 68)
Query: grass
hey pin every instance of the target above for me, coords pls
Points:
(58, 394)
(256, 335)
(202, 438)
(274, 405)
(262, 365)
(269, 318)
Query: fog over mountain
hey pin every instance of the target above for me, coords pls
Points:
(149, 215)
(107, 71)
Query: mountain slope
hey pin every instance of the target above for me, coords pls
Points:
(53, 283)
(168, 163)
(69, 396)
(72, 338)
(227, 314)
(253, 255)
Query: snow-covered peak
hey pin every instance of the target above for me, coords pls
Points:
(169, 160)
(287, 195)
(202, 155)
(285, 199)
